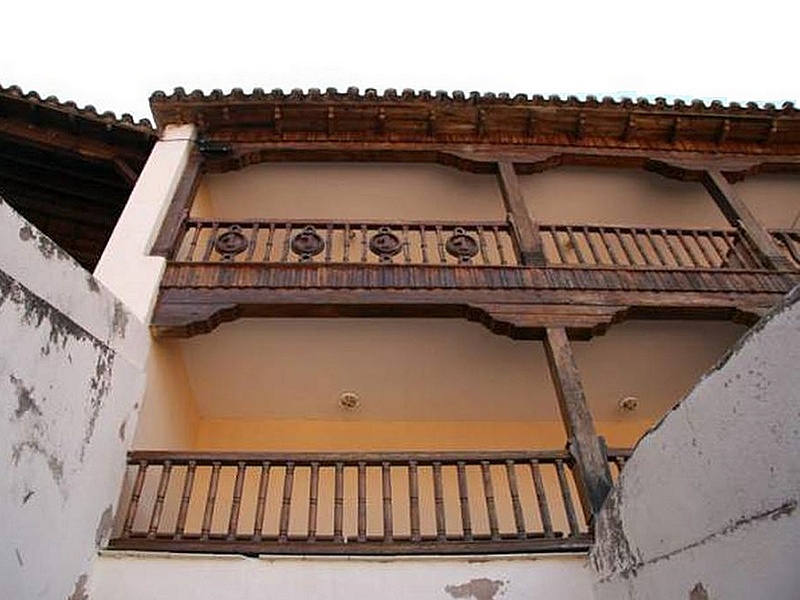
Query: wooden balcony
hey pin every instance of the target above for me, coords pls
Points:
(586, 277)
(359, 504)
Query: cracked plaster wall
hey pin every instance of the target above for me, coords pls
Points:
(71, 378)
(120, 576)
(707, 506)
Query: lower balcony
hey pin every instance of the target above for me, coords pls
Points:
(354, 504)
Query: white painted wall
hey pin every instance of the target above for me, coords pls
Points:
(707, 506)
(126, 267)
(120, 576)
(71, 376)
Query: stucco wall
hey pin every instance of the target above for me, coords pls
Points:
(120, 576)
(707, 506)
(71, 376)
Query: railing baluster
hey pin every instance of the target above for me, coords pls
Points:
(441, 525)
(651, 238)
(440, 245)
(667, 235)
(270, 242)
(621, 239)
(210, 242)
(406, 249)
(136, 494)
(733, 246)
(346, 253)
(423, 244)
(338, 502)
(691, 252)
(388, 530)
(541, 499)
(566, 496)
(328, 241)
(286, 505)
(463, 498)
(261, 502)
(211, 500)
(413, 501)
(482, 245)
(158, 507)
(513, 490)
(791, 243)
(364, 243)
(592, 248)
(193, 243)
(634, 233)
(287, 242)
(236, 503)
(313, 493)
(499, 245)
(609, 245)
(576, 246)
(362, 501)
(709, 259)
(562, 257)
(251, 247)
(488, 492)
(186, 496)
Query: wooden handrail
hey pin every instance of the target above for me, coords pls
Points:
(353, 503)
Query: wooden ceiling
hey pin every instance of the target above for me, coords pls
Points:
(69, 170)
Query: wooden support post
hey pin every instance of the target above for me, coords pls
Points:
(527, 237)
(738, 215)
(588, 450)
(179, 207)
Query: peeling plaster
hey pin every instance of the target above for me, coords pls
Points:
(698, 592)
(45, 245)
(25, 399)
(120, 322)
(54, 463)
(100, 385)
(27, 496)
(479, 589)
(92, 283)
(121, 432)
(19, 557)
(104, 526)
(80, 593)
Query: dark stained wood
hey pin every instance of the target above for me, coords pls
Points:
(179, 206)
(186, 496)
(224, 493)
(739, 215)
(591, 463)
(136, 495)
(526, 229)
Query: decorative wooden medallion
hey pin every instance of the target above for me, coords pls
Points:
(385, 244)
(307, 243)
(461, 245)
(231, 242)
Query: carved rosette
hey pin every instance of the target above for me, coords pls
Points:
(307, 243)
(461, 245)
(385, 244)
(231, 242)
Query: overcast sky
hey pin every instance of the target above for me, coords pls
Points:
(113, 55)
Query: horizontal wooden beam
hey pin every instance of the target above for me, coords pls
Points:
(482, 158)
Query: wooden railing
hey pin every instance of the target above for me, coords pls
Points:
(411, 503)
(789, 241)
(434, 243)
(475, 244)
(649, 248)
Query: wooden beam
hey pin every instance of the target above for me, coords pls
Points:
(179, 206)
(739, 215)
(591, 463)
(527, 237)
(125, 170)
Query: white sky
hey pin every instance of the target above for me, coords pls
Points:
(113, 55)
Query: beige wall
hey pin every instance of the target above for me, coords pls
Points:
(618, 197)
(168, 417)
(773, 199)
(343, 436)
(354, 191)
